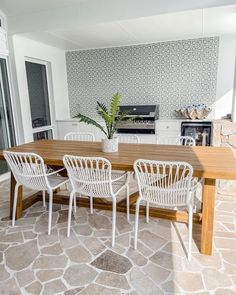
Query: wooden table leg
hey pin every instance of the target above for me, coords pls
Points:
(208, 203)
(19, 207)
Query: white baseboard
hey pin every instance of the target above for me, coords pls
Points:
(4, 176)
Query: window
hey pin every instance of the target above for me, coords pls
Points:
(7, 135)
(39, 97)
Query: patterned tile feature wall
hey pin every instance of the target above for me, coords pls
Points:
(171, 74)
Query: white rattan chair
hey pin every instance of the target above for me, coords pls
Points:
(166, 184)
(29, 170)
(80, 136)
(93, 177)
(128, 138)
(185, 140)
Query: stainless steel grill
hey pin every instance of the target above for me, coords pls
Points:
(143, 119)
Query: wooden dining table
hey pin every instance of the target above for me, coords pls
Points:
(209, 164)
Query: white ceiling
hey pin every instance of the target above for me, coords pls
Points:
(171, 26)
(23, 7)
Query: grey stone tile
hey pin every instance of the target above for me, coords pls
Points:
(20, 256)
(78, 254)
(47, 275)
(214, 279)
(93, 245)
(79, 275)
(136, 257)
(50, 262)
(54, 287)
(112, 261)
(52, 250)
(66, 242)
(98, 290)
(99, 221)
(29, 235)
(151, 240)
(10, 287)
(167, 260)
(156, 273)
(12, 238)
(189, 282)
(113, 280)
(73, 291)
(41, 224)
(25, 277)
(143, 284)
(34, 288)
(4, 274)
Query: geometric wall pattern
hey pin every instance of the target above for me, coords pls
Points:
(171, 74)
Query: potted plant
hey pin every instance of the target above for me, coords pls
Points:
(112, 117)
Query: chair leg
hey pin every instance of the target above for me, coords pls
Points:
(190, 230)
(91, 205)
(50, 211)
(75, 203)
(69, 212)
(43, 196)
(127, 202)
(14, 204)
(147, 212)
(113, 221)
(136, 224)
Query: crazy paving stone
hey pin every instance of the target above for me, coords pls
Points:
(113, 262)
(158, 274)
(54, 287)
(79, 275)
(34, 288)
(4, 275)
(49, 262)
(9, 288)
(143, 284)
(47, 275)
(20, 256)
(189, 281)
(78, 254)
(99, 221)
(25, 277)
(42, 223)
(52, 250)
(95, 289)
(113, 280)
(151, 240)
(214, 279)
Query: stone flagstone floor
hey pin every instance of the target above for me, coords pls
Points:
(31, 262)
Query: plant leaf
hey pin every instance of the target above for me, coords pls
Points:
(115, 105)
(89, 121)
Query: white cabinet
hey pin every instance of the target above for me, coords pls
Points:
(64, 127)
(147, 138)
(167, 131)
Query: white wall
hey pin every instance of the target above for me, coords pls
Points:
(226, 76)
(25, 48)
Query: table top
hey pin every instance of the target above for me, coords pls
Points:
(207, 162)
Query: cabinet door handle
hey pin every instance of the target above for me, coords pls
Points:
(74, 124)
(167, 127)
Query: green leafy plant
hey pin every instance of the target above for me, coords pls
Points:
(110, 114)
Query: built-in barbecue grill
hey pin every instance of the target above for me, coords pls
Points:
(142, 119)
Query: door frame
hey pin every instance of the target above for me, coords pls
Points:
(47, 65)
(13, 109)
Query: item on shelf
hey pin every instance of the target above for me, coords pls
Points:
(195, 111)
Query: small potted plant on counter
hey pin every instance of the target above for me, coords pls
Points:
(112, 117)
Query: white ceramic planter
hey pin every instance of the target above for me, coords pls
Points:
(110, 145)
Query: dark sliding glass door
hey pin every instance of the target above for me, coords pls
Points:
(7, 135)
